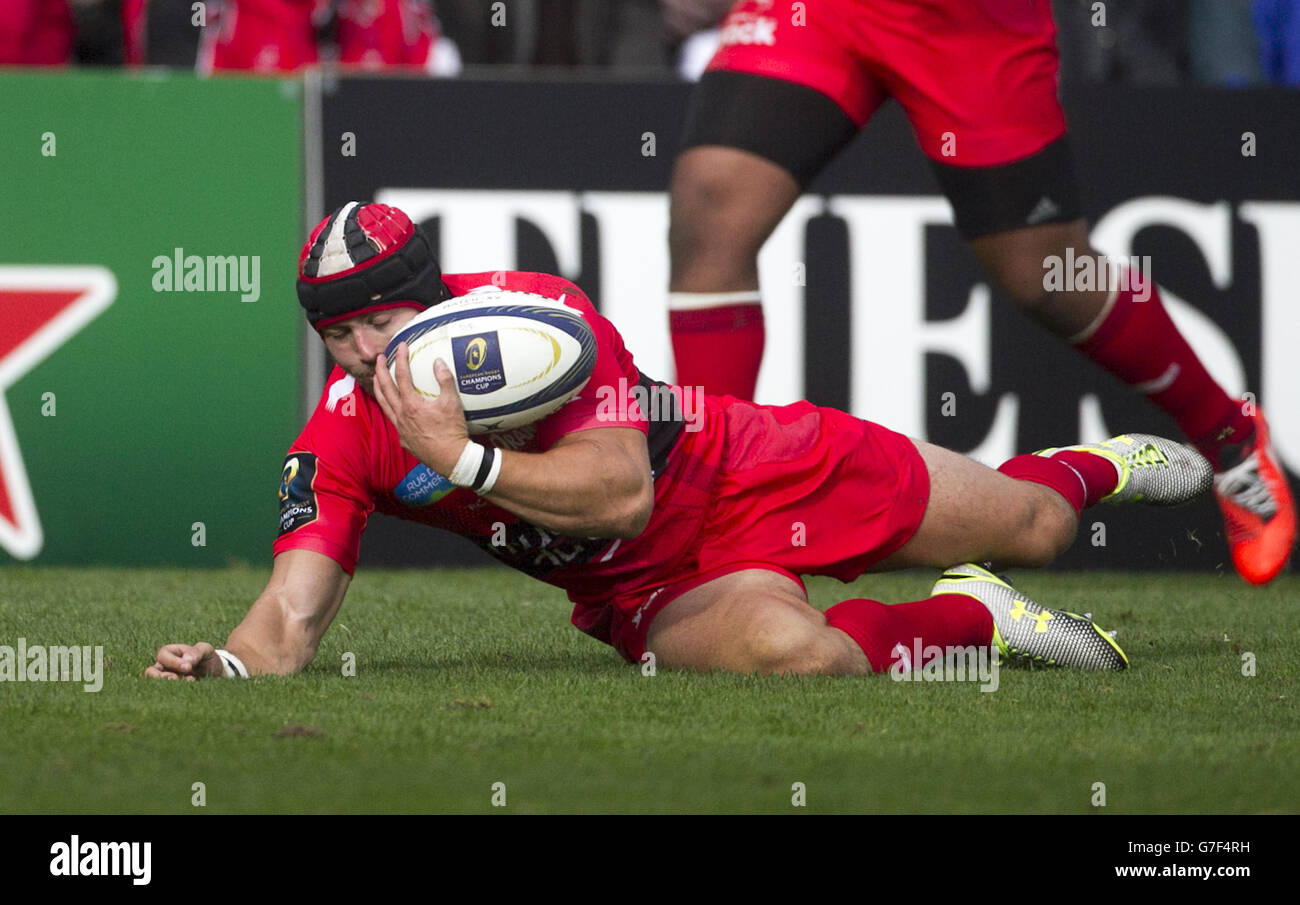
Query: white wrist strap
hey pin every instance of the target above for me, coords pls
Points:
(477, 468)
(235, 667)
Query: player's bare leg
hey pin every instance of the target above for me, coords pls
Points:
(1126, 330)
(725, 203)
(977, 514)
(1015, 260)
(751, 621)
(1027, 511)
(760, 621)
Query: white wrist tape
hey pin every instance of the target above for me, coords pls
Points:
(235, 667)
(477, 468)
(466, 470)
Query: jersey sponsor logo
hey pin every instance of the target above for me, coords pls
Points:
(537, 552)
(340, 390)
(747, 28)
(422, 486)
(298, 492)
(481, 357)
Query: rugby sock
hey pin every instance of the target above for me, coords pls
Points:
(877, 628)
(1134, 338)
(717, 340)
(1100, 475)
(1081, 477)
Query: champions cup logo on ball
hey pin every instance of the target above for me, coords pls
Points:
(482, 357)
(476, 353)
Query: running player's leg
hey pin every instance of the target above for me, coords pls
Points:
(992, 125)
(779, 99)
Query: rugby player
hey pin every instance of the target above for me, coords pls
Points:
(686, 539)
(793, 82)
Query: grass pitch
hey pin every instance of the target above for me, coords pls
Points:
(469, 678)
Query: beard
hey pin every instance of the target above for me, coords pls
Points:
(365, 378)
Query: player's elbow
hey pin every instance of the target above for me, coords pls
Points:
(636, 513)
(628, 510)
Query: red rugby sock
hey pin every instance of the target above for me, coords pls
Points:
(717, 341)
(1059, 476)
(1138, 343)
(943, 620)
(1098, 473)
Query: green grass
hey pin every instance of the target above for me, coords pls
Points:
(467, 678)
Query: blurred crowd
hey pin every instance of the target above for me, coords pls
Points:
(1216, 42)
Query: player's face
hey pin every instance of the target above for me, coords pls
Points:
(356, 342)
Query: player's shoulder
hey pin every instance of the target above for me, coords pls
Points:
(547, 285)
(343, 415)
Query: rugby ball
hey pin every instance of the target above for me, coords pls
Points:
(517, 356)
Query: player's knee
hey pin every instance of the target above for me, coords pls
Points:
(788, 647)
(1046, 528)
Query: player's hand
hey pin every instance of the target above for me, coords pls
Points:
(432, 430)
(186, 661)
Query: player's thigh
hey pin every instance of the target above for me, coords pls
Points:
(753, 620)
(752, 142)
(725, 200)
(977, 514)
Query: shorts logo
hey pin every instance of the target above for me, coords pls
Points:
(422, 486)
(297, 493)
(481, 357)
(747, 28)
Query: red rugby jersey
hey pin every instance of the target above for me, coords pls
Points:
(348, 462)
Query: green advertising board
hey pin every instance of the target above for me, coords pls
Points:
(149, 337)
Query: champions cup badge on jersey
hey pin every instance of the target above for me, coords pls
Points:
(298, 492)
(478, 363)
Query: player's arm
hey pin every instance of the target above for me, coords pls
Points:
(282, 629)
(590, 483)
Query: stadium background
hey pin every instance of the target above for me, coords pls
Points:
(873, 303)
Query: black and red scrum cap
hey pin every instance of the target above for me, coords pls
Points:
(363, 258)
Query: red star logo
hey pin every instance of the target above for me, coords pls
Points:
(40, 308)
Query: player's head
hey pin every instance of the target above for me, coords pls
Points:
(365, 271)
(366, 257)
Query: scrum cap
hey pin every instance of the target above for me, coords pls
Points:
(367, 257)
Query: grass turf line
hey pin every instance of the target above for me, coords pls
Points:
(466, 678)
